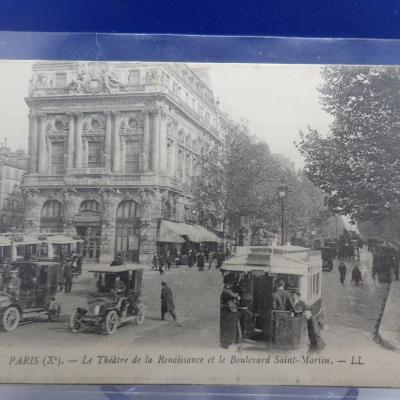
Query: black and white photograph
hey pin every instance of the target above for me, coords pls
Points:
(199, 223)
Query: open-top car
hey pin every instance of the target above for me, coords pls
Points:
(28, 289)
(117, 301)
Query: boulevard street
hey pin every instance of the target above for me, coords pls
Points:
(351, 312)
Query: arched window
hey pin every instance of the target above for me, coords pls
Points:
(51, 209)
(51, 217)
(90, 207)
(127, 209)
(166, 210)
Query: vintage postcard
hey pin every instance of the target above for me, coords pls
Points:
(199, 223)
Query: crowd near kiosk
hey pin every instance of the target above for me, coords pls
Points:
(255, 279)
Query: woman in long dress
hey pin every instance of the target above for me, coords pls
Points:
(229, 316)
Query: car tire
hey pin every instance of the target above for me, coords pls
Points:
(10, 319)
(74, 323)
(54, 311)
(111, 323)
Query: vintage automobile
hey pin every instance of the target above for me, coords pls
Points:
(327, 254)
(118, 300)
(256, 272)
(35, 295)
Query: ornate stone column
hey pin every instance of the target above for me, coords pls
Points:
(71, 134)
(78, 141)
(163, 144)
(33, 139)
(42, 154)
(155, 140)
(107, 144)
(49, 151)
(116, 151)
(146, 140)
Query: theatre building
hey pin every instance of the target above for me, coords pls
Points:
(112, 151)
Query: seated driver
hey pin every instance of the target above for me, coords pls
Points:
(120, 292)
(14, 284)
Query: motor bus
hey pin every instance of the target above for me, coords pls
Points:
(256, 272)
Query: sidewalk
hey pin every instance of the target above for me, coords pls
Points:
(389, 328)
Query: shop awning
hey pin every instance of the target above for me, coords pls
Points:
(61, 239)
(171, 232)
(200, 234)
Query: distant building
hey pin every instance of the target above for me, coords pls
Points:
(12, 169)
(284, 161)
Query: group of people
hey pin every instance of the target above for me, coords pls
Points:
(355, 274)
(282, 300)
(202, 259)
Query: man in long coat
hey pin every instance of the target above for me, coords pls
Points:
(68, 276)
(314, 335)
(167, 301)
(282, 299)
(342, 272)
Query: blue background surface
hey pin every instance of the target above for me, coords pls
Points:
(309, 18)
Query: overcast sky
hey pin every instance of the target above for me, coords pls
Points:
(277, 101)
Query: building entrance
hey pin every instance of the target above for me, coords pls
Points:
(91, 246)
(127, 231)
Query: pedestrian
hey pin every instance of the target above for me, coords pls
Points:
(314, 335)
(210, 260)
(299, 305)
(167, 301)
(61, 281)
(155, 262)
(229, 321)
(200, 261)
(282, 299)
(79, 264)
(342, 272)
(220, 259)
(356, 275)
(68, 276)
(169, 260)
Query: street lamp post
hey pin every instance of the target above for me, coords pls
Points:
(282, 190)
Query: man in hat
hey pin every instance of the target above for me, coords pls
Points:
(282, 299)
(342, 272)
(14, 284)
(68, 276)
(356, 275)
(167, 301)
(299, 305)
(314, 335)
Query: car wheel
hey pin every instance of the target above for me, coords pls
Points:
(10, 319)
(141, 316)
(75, 321)
(111, 322)
(54, 311)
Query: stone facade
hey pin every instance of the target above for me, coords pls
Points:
(112, 151)
(12, 170)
